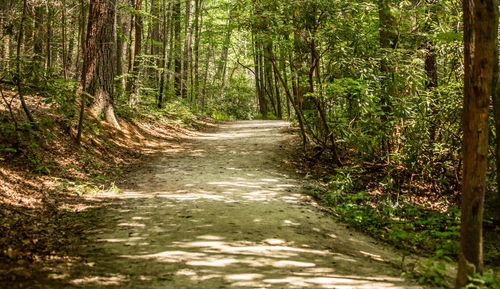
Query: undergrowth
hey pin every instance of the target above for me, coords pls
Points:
(395, 219)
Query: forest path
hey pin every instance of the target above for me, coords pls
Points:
(223, 211)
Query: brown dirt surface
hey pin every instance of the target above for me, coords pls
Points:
(220, 210)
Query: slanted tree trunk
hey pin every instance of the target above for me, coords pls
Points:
(480, 43)
(98, 63)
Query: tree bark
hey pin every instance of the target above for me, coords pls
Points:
(177, 47)
(99, 67)
(18, 68)
(496, 116)
(166, 32)
(134, 51)
(480, 43)
(188, 32)
(198, 23)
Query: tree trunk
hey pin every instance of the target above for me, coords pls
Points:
(135, 51)
(496, 115)
(177, 47)
(4, 18)
(480, 43)
(188, 32)
(48, 38)
(198, 23)
(388, 41)
(82, 38)
(98, 67)
(221, 70)
(122, 20)
(166, 33)
(18, 67)
(64, 60)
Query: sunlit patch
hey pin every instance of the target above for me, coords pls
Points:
(186, 272)
(168, 256)
(316, 229)
(257, 220)
(191, 196)
(111, 240)
(288, 222)
(332, 236)
(113, 280)
(131, 225)
(373, 256)
(210, 237)
(236, 184)
(140, 218)
(288, 263)
(243, 277)
(274, 241)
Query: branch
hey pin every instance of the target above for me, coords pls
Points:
(244, 66)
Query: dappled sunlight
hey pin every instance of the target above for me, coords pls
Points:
(224, 214)
(115, 280)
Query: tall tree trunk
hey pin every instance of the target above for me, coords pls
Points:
(122, 20)
(188, 32)
(38, 39)
(198, 23)
(268, 74)
(166, 33)
(177, 48)
(480, 43)
(4, 34)
(18, 67)
(285, 79)
(388, 41)
(430, 64)
(135, 51)
(48, 39)
(81, 51)
(221, 69)
(205, 77)
(496, 115)
(171, 49)
(98, 68)
(64, 60)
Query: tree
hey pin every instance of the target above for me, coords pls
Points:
(135, 50)
(176, 15)
(99, 60)
(480, 43)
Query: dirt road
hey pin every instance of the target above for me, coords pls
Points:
(223, 211)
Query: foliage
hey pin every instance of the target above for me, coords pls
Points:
(392, 218)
